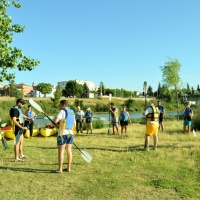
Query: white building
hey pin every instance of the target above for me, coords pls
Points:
(90, 84)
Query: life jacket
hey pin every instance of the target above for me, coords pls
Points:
(124, 116)
(153, 116)
(68, 123)
(19, 119)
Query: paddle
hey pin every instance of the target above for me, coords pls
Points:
(3, 140)
(109, 130)
(86, 156)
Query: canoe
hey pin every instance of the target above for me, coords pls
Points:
(46, 132)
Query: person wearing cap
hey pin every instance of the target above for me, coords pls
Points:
(17, 118)
(188, 113)
(79, 114)
(29, 124)
(152, 124)
(65, 138)
(88, 120)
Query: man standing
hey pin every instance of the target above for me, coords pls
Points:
(66, 119)
(152, 124)
(114, 117)
(161, 115)
(188, 113)
(18, 126)
(79, 119)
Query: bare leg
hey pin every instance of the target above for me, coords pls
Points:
(147, 140)
(61, 149)
(21, 142)
(155, 137)
(69, 156)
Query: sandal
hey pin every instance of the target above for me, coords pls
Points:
(19, 160)
(23, 156)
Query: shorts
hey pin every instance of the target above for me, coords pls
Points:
(187, 123)
(124, 123)
(151, 129)
(161, 118)
(115, 121)
(65, 139)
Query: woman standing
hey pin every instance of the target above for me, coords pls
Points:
(29, 124)
(88, 116)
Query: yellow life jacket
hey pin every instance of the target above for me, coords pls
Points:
(153, 116)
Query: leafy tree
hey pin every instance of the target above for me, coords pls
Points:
(57, 96)
(188, 89)
(44, 88)
(13, 90)
(11, 58)
(85, 90)
(73, 89)
(171, 76)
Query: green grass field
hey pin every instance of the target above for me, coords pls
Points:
(120, 169)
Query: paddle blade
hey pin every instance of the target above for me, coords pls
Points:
(35, 105)
(194, 133)
(109, 131)
(3, 125)
(4, 143)
(17, 137)
(86, 156)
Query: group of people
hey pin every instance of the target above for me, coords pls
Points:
(66, 119)
(154, 122)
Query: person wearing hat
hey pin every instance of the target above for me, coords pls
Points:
(188, 113)
(79, 114)
(88, 116)
(152, 124)
(17, 118)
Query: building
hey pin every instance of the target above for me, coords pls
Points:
(90, 84)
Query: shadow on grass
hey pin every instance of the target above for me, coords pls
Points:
(20, 169)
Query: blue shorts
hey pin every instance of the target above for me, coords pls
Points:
(65, 139)
(187, 123)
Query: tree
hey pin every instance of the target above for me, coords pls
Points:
(57, 96)
(13, 91)
(44, 88)
(86, 91)
(171, 76)
(73, 88)
(11, 58)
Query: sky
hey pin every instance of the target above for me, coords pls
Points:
(121, 43)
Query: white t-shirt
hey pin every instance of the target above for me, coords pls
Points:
(62, 116)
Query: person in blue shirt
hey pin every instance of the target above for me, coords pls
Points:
(88, 120)
(161, 115)
(124, 118)
(188, 114)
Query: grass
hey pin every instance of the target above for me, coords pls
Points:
(120, 169)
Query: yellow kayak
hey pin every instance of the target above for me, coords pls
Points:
(35, 133)
(46, 132)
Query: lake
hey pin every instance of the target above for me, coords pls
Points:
(43, 121)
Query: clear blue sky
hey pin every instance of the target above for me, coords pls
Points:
(119, 42)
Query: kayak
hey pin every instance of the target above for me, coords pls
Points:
(9, 133)
(46, 132)
(35, 133)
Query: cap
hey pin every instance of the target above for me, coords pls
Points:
(20, 101)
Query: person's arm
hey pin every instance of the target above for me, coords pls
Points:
(14, 120)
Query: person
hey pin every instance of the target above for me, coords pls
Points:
(188, 113)
(17, 118)
(29, 124)
(152, 123)
(124, 118)
(65, 138)
(88, 120)
(79, 114)
(161, 115)
(114, 117)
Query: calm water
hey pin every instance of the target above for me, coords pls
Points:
(43, 121)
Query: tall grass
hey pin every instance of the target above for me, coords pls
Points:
(120, 169)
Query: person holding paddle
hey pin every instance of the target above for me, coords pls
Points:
(66, 119)
(114, 117)
(17, 118)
